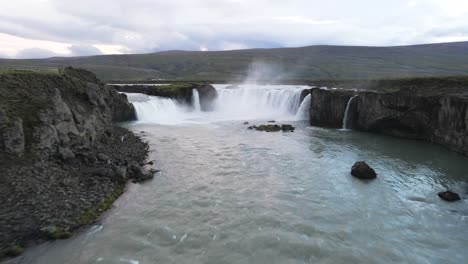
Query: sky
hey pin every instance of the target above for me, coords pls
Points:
(46, 28)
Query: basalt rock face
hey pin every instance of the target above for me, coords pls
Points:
(438, 117)
(55, 129)
(328, 107)
(208, 96)
(182, 93)
(45, 111)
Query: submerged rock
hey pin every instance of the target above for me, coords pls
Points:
(449, 196)
(361, 170)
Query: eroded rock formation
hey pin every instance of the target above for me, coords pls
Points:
(62, 161)
(438, 116)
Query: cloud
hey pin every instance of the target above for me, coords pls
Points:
(35, 53)
(84, 50)
(87, 27)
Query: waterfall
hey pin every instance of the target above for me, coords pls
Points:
(345, 118)
(246, 102)
(196, 100)
(303, 111)
(259, 101)
(155, 109)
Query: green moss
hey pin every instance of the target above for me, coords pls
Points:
(58, 233)
(92, 214)
(12, 251)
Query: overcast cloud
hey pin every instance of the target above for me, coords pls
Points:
(44, 28)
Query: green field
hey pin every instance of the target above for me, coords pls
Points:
(304, 63)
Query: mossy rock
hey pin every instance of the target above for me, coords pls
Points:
(53, 233)
(92, 214)
(12, 251)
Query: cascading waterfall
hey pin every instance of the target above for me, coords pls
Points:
(259, 101)
(155, 109)
(196, 100)
(345, 118)
(303, 111)
(247, 102)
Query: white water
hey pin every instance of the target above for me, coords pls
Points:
(303, 111)
(154, 109)
(196, 100)
(248, 102)
(345, 118)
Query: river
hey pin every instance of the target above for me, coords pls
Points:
(226, 194)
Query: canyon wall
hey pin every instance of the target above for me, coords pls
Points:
(62, 160)
(438, 116)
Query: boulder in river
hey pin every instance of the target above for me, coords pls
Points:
(287, 128)
(363, 171)
(272, 128)
(449, 196)
(268, 128)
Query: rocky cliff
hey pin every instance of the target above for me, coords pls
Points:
(62, 161)
(436, 114)
(182, 92)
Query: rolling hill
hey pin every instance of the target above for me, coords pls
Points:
(311, 62)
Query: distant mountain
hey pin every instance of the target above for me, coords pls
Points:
(311, 62)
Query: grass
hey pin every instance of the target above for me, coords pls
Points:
(311, 63)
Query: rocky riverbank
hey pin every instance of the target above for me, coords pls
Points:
(62, 160)
(434, 110)
(181, 92)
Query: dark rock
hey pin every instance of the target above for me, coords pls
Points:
(245, 123)
(431, 109)
(52, 118)
(102, 157)
(287, 128)
(103, 172)
(208, 95)
(272, 121)
(81, 74)
(304, 94)
(272, 128)
(120, 173)
(154, 170)
(268, 128)
(361, 170)
(122, 110)
(328, 107)
(13, 137)
(65, 154)
(3, 118)
(449, 196)
(138, 173)
(181, 92)
(12, 251)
